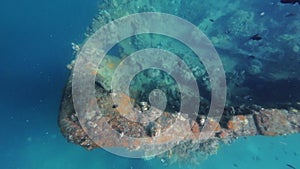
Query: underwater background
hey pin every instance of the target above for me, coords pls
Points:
(35, 47)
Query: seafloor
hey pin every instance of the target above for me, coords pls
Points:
(35, 43)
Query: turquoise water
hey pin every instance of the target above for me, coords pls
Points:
(35, 47)
(49, 150)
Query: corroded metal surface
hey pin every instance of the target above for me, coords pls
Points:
(258, 121)
(251, 72)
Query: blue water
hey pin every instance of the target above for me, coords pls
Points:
(35, 47)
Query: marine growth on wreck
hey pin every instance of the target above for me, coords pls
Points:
(261, 68)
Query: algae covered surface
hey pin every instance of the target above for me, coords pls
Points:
(250, 64)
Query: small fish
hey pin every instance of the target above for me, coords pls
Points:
(283, 143)
(290, 1)
(289, 165)
(256, 37)
(251, 57)
(290, 14)
(227, 31)
(211, 20)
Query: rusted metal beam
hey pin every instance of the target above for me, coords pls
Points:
(258, 121)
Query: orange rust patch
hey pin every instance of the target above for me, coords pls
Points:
(124, 103)
(135, 144)
(164, 139)
(195, 128)
(218, 128)
(230, 125)
(223, 134)
(94, 72)
(270, 133)
(111, 65)
(215, 126)
(241, 117)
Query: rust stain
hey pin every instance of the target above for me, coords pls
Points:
(241, 117)
(124, 103)
(195, 129)
(213, 125)
(111, 65)
(270, 133)
(230, 125)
